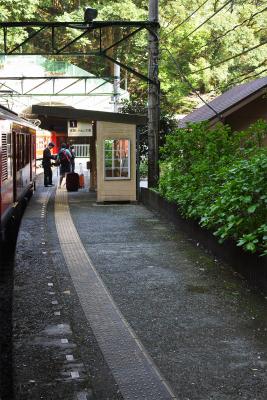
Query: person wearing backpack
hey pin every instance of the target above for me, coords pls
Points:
(64, 157)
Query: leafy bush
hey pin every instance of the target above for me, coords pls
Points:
(220, 179)
(240, 210)
(143, 168)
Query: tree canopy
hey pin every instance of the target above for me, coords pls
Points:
(206, 46)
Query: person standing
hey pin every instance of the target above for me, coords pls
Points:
(47, 157)
(72, 160)
(64, 157)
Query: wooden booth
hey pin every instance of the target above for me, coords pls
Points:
(116, 161)
(112, 144)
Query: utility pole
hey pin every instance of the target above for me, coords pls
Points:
(153, 98)
(116, 86)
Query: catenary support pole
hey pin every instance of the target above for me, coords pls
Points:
(116, 85)
(153, 98)
(93, 171)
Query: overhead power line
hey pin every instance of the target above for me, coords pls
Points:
(190, 85)
(254, 76)
(251, 70)
(185, 20)
(248, 76)
(232, 29)
(229, 58)
(214, 40)
(206, 20)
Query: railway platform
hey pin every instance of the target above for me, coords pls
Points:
(112, 302)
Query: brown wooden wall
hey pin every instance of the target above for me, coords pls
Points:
(245, 116)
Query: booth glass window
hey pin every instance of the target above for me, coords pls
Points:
(117, 158)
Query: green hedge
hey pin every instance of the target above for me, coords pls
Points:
(219, 178)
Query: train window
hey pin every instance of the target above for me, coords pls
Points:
(4, 157)
(19, 158)
(33, 146)
(27, 149)
(9, 155)
(5, 132)
(22, 151)
(19, 150)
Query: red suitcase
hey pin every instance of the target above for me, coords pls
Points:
(72, 182)
(81, 181)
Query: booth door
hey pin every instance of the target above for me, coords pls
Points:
(116, 162)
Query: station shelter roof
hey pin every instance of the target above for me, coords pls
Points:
(56, 117)
(27, 80)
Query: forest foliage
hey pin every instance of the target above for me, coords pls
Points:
(196, 37)
(219, 178)
(206, 47)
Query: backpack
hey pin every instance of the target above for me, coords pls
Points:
(64, 157)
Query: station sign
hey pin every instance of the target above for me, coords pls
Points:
(79, 128)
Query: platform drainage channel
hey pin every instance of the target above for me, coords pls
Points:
(133, 369)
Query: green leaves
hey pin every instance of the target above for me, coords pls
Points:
(220, 179)
(249, 242)
(209, 43)
(252, 208)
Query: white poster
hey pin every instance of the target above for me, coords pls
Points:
(78, 128)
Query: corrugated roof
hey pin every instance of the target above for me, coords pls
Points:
(224, 102)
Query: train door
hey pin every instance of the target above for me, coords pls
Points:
(19, 152)
(15, 163)
(6, 175)
(32, 153)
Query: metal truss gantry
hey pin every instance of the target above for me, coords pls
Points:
(34, 42)
(6, 90)
(33, 31)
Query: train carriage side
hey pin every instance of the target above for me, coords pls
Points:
(17, 168)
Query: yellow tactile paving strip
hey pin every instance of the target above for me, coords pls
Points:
(134, 371)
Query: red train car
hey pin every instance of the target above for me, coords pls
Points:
(17, 167)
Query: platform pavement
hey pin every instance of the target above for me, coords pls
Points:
(203, 327)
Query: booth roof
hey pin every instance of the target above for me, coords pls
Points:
(69, 113)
